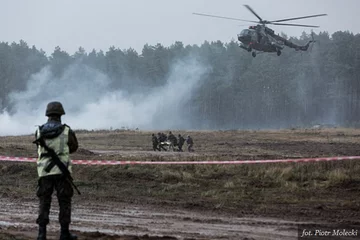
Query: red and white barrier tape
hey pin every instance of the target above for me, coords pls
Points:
(112, 162)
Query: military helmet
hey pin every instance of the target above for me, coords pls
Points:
(54, 108)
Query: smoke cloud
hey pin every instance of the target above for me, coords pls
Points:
(90, 103)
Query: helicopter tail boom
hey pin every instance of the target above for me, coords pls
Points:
(297, 47)
(305, 48)
(300, 48)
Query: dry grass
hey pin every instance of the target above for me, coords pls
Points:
(255, 187)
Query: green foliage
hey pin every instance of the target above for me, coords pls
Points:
(295, 89)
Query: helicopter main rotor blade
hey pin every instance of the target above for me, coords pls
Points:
(296, 18)
(253, 12)
(289, 24)
(229, 18)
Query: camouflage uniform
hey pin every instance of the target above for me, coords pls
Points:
(155, 142)
(181, 142)
(162, 138)
(190, 143)
(172, 139)
(63, 141)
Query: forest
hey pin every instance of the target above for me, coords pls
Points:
(296, 89)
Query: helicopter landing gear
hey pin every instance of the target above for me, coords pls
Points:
(253, 54)
(278, 52)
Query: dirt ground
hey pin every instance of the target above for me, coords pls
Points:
(257, 201)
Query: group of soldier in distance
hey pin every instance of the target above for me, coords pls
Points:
(170, 142)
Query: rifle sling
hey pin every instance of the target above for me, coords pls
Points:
(55, 160)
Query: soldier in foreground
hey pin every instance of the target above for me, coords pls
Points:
(55, 141)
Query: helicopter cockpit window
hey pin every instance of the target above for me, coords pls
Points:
(245, 32)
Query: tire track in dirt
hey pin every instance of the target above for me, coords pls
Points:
(131, 220)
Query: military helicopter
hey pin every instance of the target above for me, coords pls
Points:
(263, 39)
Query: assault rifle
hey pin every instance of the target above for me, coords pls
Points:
(55, 160)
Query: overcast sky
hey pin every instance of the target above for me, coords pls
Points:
(100, 24)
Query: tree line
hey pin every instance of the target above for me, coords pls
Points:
(296, 89)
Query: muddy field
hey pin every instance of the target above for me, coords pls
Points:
(257, 201)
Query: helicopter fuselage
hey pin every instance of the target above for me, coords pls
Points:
(256, 38)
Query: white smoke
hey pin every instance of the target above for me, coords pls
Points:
(90, 103)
